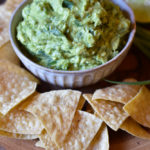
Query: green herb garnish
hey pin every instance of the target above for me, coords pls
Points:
(146, 82)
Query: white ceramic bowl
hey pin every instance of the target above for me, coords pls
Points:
(71, 78)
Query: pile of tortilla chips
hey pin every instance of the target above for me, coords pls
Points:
(59, 119)
(55, 117)
(123, 107)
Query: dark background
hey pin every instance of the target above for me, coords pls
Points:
(2, 1)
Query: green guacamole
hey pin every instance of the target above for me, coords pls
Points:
(71, 34)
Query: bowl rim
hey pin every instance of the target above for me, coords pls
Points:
(129, 41)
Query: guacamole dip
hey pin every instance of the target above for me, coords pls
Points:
(71, 34)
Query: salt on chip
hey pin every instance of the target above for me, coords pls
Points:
(18, 136)
(83, 129)
(139, 107)
(7, 52)
(133, 128)
(56, 111)
(13, 90)
(118, 93)
(111, 113)
(7, 65)
(101, 140)
(20, 121)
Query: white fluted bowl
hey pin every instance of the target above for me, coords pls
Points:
(71, 78)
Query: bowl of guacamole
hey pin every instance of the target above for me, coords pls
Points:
(69, 36)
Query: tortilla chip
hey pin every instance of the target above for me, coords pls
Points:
(18, 136)
(46, 141)
(5, 15)
(111, 113)
(23, 105)
(39, 144)
(101, 140)
(28, 101)
(81, 103)
(13, 90)
(20, 121)
(4, 64)
(4, 25)
(11, 5)
(7, 52)
(83, 129)
(56, 111)
(132, 127)
(139, 107)
(117, 93)
(1, 115)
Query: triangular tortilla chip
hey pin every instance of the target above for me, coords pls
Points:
(139, 107)
(83, 129)
(4, 25)
(111, 113)
(101, 140)
(4, 64)
(117, 93)
(56, 111)
(23, 105)
(20, 121)
(7, 52)
(13, 90)
(132, 127)
(5, 15)
(18, 136)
